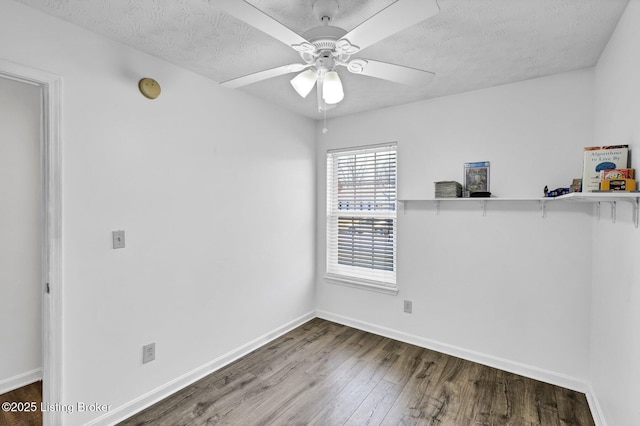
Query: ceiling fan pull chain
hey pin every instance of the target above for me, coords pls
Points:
(324, 129)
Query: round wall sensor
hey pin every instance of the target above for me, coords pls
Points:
(149, 88)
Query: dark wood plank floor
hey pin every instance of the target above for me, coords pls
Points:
(324, 373)
(27, 394)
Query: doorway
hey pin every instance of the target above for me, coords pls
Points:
(21, 230)
(47, 88)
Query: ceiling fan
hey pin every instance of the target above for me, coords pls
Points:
(325, 47)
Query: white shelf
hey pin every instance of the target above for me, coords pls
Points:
(597, 197)
(594, 198)
(456, 200)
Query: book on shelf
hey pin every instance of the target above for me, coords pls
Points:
(601, 158)
(448, 189)
(476, 177)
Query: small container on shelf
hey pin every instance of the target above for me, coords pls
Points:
(618, 185)
(617, 174)
(480, 194)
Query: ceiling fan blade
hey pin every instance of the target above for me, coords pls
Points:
(394, 18)
(263, 75)
(253, 16)
(393, 72)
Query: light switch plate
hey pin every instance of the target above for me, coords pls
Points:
(118, 239)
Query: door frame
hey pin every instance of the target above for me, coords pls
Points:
(51, 241)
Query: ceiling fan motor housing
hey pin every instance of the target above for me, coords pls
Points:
(325, 36)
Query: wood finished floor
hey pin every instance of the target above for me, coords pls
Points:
(29, 393)
(324, 373)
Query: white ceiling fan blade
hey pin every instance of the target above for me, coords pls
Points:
(393, 72)
(263, 75)
(253, 16)
(394, 18)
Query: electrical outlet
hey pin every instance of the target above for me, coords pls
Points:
(148, 352)
(118, 239)
(408, 306)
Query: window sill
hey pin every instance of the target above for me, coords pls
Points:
(361, 283)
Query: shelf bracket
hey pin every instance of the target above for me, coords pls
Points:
(543, 208)
(613, 211)
(635, 204)
(437, 208)
(483, 207)
(597, 207)
(403, 208)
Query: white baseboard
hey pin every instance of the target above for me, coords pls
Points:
(20, 380)
(470, 355)
(596, 408)
(125, 411)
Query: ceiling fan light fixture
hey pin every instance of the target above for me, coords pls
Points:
(304, 82)
(332, 91)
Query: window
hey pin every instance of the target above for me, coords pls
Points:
(361, 216)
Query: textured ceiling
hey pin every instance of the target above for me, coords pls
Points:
(470, 44)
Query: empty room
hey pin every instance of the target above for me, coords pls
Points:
(321, 212)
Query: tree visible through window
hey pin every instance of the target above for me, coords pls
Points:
(361, 214)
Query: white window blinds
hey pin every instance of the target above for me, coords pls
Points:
(361, 215)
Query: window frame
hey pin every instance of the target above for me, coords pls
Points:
(373, 279)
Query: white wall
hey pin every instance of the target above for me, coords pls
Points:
(20, 227)
(214, 189)
(615, 338)
(510, 289)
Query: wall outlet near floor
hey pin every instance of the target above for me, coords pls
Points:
(408, 306)
(148, 352)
